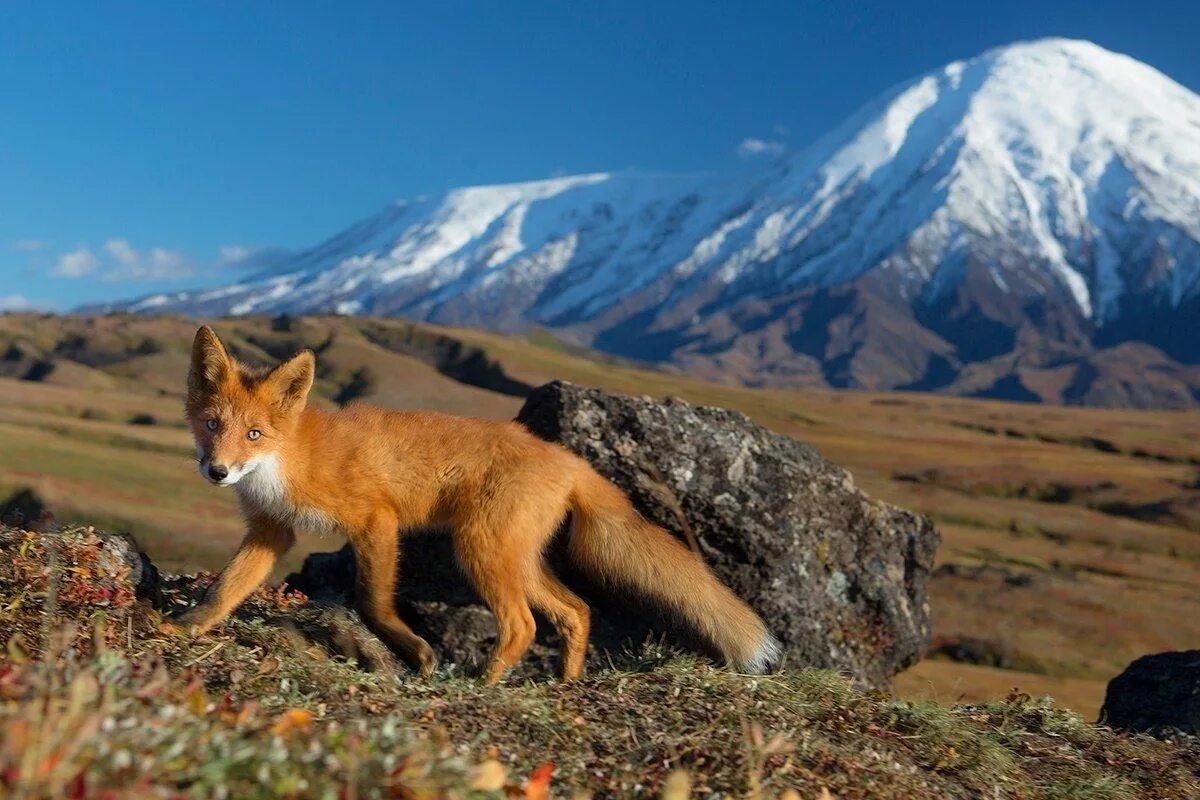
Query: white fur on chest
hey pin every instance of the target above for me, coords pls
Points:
(263, 489)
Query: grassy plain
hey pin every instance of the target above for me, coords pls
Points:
(1071, 536)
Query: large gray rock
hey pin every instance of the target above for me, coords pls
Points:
(840, 578)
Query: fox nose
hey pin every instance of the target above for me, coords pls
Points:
(218, 472)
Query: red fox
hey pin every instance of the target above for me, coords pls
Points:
(372, 474)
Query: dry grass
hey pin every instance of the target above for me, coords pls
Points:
(94, 702)
(1086, 518)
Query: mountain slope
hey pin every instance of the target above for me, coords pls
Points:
(998, 226)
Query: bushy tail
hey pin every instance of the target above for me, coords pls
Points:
(612, 542)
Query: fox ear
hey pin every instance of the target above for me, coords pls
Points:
(291, 381)
(210, 361)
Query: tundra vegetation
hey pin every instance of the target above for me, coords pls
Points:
(294, 699)
(1068, 549)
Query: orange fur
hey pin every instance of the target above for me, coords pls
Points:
(372, 474)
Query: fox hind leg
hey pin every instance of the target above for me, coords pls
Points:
(569, 615)
(499, 574)
(505, 565)
(499, 542)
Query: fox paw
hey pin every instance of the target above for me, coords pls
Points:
(427, 661)
(172, 628)
(184, 625)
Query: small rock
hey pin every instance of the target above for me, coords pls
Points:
(121, 548)
(1156, 694)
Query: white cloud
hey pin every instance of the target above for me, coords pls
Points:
(122, 251)
(250, 259)
(167, 261)
(121, 261)
(118, 259)
(14, 302)
(752, 148)
(28, 245)
(78, 263)
(158, 264)
(233, 253)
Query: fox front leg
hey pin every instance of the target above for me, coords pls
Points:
(377, 554)
(266, 542)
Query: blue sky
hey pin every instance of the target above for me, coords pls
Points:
(146, 146)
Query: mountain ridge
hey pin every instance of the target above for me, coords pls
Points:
(1035, 208)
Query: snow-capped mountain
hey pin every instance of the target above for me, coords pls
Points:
(988, 228)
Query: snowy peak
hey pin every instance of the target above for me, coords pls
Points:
(1043, 146)
(1047, 189)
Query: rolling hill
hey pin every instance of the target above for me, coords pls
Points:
(1069, 535)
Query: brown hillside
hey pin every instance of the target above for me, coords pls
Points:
(1070, 535)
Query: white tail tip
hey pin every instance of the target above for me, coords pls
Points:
(765, 657)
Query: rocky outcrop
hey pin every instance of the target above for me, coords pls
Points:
(839, 577)
(1157, 694)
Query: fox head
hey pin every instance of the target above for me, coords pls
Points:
(239, 415)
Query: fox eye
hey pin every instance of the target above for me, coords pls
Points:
(211, 424)
(253, 434)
